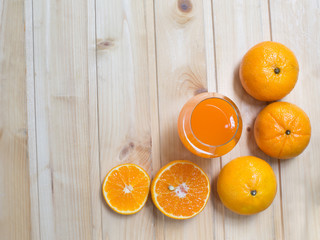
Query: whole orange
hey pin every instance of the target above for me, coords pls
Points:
(282, 130)
(269, 71)
(247, 185)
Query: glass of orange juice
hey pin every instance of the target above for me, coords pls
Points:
(210, 125)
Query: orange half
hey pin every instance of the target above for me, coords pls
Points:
(126, 188)
(180, 190)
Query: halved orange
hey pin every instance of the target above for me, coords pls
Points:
(180, 189)
(126, 188)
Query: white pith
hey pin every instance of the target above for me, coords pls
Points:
(128, 189)
(181, 190)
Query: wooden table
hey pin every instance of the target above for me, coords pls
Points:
(89, 84)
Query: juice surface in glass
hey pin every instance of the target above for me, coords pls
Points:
(209, 125)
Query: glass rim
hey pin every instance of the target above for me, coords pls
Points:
(237, 114)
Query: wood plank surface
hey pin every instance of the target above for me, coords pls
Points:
(32, 128)
(15, 212)
(65, 129)
(94, 158)
(86, 85)
(300, 177)
(124, 104)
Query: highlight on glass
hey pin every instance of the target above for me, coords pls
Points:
(210, 125)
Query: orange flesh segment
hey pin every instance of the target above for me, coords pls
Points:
(190, 194)
(126, 188)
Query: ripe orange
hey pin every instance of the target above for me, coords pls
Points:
(126, 188)
(269, 71)
(180, 189)
(282, 130)
(247, 185)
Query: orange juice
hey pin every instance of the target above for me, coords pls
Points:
(209, 125)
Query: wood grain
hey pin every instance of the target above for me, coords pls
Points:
(124, 104)
(32, 128)
(14, 161)
(239, 26)
(300, 177)
(65, 129)
(94, 158)
(181, 65)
